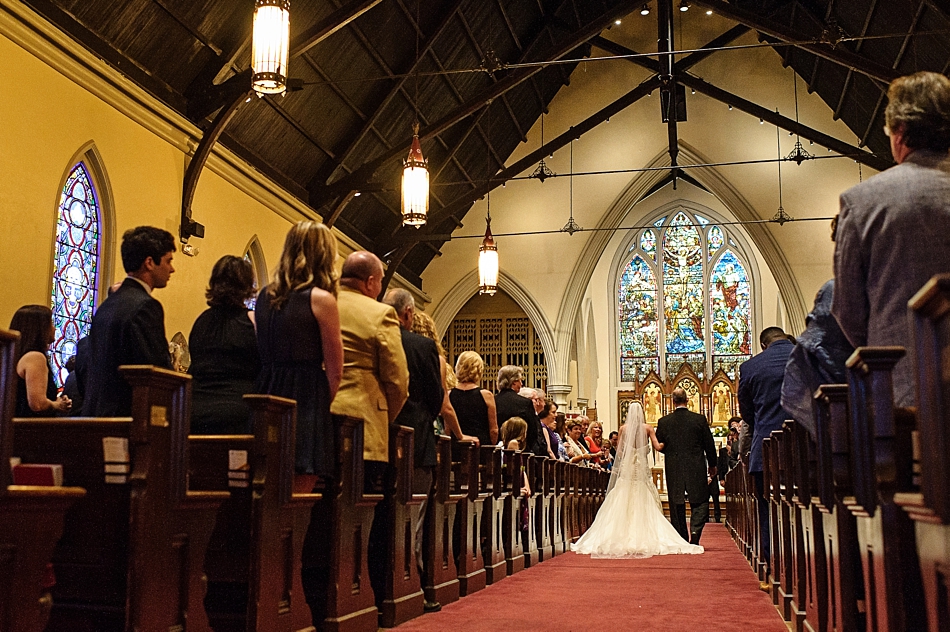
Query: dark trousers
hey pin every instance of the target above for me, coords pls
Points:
(699, 513)
(762, 504)
(423, 479)
(714, 494)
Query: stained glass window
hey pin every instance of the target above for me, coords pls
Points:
(75, 268)
(638, 321)
(693, 262)
(648, 243)
(730, 312)
(683, 305)
(251, 303)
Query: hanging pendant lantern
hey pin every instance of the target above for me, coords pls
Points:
(270, 46)
(415, 184)
(488, 263)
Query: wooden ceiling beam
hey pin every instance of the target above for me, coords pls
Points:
(865, 157)
(513, 78)
(837, 54)
(329, 25)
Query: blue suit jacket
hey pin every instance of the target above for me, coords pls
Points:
(760, 395)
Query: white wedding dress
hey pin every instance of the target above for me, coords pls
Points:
(630, 523)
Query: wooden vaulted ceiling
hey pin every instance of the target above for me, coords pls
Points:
(366, 69)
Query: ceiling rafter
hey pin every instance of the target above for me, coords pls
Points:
(395, 90)
(512, 80)
(330, 25)
(511, 27)
(814, 70)
(789, 125)
(837, 54)
(857, 48)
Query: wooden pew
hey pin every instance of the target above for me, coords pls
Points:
(792, 506)
(882, 467)
(559, 513)
(442, 583)
(772, 491)
(468, 520)
(402, 597)
(253, 562)
(543, 487)
(492, 482)
(513, 480)
(534, 468)
(336, 575)
(929, 506)
(139, 530)
(31, 519)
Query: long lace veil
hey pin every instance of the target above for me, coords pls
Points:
(632, 447)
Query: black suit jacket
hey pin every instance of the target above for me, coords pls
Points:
(425, 395)
(128, 328)
(689, 448)
(509, 404)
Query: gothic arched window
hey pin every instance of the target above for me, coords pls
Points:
(75, 267)
(694, 270)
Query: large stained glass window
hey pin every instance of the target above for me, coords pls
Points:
(694, 270)
(638, 321)
(75, 267)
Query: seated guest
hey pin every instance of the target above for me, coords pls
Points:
(474, 406)
(301, 349)
(36, 390)
(548, 417)
(129, 326)
(224, 358)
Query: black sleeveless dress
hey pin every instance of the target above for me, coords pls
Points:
(23, 406)
(291, 351)
(224, 367)
(472, 412)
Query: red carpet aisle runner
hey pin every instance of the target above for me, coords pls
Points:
(713, 591)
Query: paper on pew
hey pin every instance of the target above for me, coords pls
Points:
(238, 468)
(14, 461)
(115, 455)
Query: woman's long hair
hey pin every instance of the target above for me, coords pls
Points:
(34, 322)
(307, 261)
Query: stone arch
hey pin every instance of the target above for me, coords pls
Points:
(596, 244)
(254, 250)
(444, 313)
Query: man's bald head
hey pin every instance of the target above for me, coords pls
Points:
(363, 271)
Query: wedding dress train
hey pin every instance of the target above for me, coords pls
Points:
(630, 523)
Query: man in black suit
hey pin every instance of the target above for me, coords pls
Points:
(419, 411)
(689, 448)
(509, 404)
(129, 326)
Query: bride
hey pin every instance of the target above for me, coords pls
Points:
(630, 523)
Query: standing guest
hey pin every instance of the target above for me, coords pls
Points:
(537, 397)
(75, 385)
(893, 231)
(225, 362)
(423, 325)
(509, 404)
(595, 441)
(426, 396)
(733, 447)
(129, 326)
(760, 394)
(375, 375)
(612, 440)
(548, 417)
(474, 406)
(35, 391)
(298, 336)
(573, 452)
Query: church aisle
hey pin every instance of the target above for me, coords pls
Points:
(716, 590)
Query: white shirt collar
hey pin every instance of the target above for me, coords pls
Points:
(148, 288)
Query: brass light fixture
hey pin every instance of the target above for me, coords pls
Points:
(488, 260)
(415, 184)
(270, 46)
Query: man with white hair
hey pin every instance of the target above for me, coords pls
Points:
(509, 404)
(538, 398)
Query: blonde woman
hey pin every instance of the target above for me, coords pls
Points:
(298, 335)
(595, 441)
(474, 406)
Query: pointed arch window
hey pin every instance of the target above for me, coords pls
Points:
(76, 266)
(693, 269)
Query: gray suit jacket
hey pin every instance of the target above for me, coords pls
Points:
(893, 235)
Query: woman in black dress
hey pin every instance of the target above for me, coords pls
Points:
(36, 391)
(224, 358)
(474, 406)
(298, 334)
